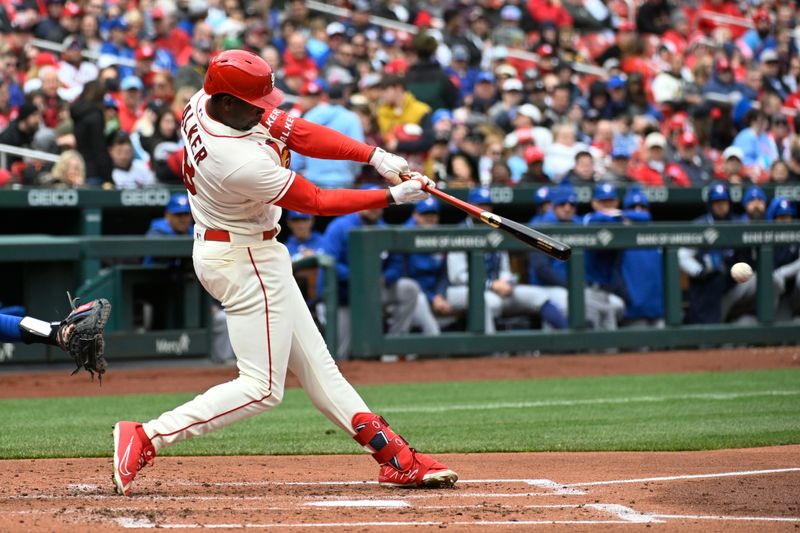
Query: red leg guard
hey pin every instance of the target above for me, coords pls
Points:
(373, 432)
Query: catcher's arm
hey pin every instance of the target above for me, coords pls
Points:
(80, 334)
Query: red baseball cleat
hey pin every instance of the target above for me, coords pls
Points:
(425, 471)
(132, 452)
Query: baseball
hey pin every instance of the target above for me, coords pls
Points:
(741, 272)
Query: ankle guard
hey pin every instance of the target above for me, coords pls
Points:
(377, 437)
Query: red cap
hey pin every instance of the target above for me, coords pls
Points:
(71, 9)
(761, 15)
(533, 154)
(145, 52)
(677, 122)
(157, 13)
(723, 64)
(310, 88)
(524, 135)
(45, 58)
(688, 138)
(397, 65)
(423, 19)
(5, 177)
(627, 25)
(545, 50)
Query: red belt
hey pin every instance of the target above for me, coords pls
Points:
(222, 235)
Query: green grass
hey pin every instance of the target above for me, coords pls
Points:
(694, 411)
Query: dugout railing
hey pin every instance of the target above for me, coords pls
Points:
(368, 246)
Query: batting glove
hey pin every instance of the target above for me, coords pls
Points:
(411, 190)
(388, 165)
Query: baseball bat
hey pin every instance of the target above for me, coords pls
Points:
(531, 237)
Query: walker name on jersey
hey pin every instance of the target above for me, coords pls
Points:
(190, 129)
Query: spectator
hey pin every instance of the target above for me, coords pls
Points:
(127, 172)
(89, 127)
(535, 174)
(462, 171)
(708, 268)
(485, 94)
(400, 297)
(193, 72)
(583, 171)
(116, 48)
(691, 166)
(652, 171)
(20, 133)
(167, 35)
(131, 105)
(503, 112)
(642, 270)
(7, 112)
(69, 172)
(757, 146)
(779, 172)
(325, 173)
(503, 296)
(296, 56)
(618, 171)
(425, 78)
(771, 71)
(161, 143)
(404, 122)
(559, 157)
(73, 71)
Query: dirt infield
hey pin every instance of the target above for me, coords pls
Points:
(728, 490)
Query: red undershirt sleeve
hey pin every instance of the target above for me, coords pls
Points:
(306, 197)
(313, 140)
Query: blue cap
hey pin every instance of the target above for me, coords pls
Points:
(542, 195)
(605, 191)
(108, 101)
(510, 12)
(620, 150)
(431, 205)
(297, 215)
(718, 191)
(779, 207)
(480, 196)
(131, 82)
(635, 196)
(441, 114)
(564, 194)
(178, 204)
(485, 76)
(117, 24)
(616, 82)
(754, 193)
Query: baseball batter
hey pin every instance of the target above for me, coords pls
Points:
(235, 167)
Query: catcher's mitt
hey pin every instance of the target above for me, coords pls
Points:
(81, 335)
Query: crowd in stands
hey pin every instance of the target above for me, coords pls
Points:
(698, 93)
(474, 94)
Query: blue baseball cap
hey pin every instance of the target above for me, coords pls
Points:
(781, 206)
(108, 101)
(754, 193)
(718, 191)
(480, 196)
(564, 194)
(117, 23)
(542, 195)
(178, 204)
(131, 82)
(441, 114)
(605, 191)
(620, 150)
(431, 205)
(616, 82)
(296, 215)
(487, 77)
(635, 196)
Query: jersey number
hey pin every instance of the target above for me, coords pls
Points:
(188, 173)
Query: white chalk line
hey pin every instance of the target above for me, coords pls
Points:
(733, 518)
(718, 396)
(134, 523)
(687, 476)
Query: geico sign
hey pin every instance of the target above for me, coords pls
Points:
(144, 197)
(48, 197)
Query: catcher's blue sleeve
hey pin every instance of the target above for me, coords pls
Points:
(9, 328)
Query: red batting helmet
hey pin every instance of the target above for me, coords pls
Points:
(244, 75)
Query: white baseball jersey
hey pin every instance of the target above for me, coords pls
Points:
(233, 177)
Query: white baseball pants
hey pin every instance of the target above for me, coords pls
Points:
(271, 329)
